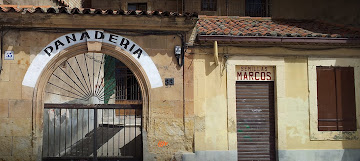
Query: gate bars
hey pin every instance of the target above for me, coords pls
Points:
(92, 132)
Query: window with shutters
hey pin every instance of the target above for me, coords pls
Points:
(336, 99)
(208, 5)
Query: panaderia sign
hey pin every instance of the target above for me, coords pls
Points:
(255, 73)
(128, 46)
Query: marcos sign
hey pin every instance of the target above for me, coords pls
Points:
(255, 73)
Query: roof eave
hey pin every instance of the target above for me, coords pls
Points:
(227, 38)
(96, 21)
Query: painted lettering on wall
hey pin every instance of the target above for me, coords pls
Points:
(125, 43)
(254, 73)
(126, 46)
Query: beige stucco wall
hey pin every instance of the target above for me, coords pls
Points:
(210, 104)
(295, 122)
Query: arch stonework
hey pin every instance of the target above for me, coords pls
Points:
(116, 51)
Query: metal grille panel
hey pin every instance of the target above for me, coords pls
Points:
(92, 111)
(255, 120)
(92, 132)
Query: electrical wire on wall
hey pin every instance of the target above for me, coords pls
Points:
(2, 46)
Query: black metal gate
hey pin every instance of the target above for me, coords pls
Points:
(92, 132)
(92, 111)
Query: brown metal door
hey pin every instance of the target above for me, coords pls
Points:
(255, 120)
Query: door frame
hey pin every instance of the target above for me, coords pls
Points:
(279, 91)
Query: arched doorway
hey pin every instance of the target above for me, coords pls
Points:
(92, 110)
(70, 45)
(73, 44)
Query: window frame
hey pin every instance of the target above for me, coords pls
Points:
(205, 5)
(137, 6)
(127, 86)
(314, 133)
(265, 10)
(331, 106)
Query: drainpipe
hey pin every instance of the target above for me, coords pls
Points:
(1, 50)
(180, 58)
(216, 53)
(182, 50)
(181, 64)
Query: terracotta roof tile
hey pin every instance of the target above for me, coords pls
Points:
(267, 27)
(67, 10)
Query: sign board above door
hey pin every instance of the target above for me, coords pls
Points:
(255, 73)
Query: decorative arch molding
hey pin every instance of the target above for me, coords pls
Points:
(49, 59)
(95, 40)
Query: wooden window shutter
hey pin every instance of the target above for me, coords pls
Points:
(326, 96)
(345, 91)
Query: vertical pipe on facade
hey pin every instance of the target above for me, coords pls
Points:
(182, 49)
(182, 65)
(183, 55)
(1, 50)
(216, 53)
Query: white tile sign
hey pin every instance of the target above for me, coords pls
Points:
(255, 73)
(127, 46)
(9, 55)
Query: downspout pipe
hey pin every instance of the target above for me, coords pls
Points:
(1, 50)
(216, 53)
(182, 50)
(180, 58)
